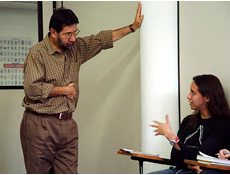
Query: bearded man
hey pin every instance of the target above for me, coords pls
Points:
(49, 134)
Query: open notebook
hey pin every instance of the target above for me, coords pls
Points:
(203, 158)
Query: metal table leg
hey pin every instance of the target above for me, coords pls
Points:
(140, 166)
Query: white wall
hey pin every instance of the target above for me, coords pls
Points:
(159, 75)
(14, 23)
(47, 11)
(204, 44)
(108, 112)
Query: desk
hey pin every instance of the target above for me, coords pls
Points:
(142, 157)
(218, 167)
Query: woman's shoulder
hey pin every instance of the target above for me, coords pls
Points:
(221, 127)
(222, 120)
(188, 118)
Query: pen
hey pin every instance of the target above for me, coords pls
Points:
(127, 151)
(224, 153)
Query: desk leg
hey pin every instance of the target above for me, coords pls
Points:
(141, 166)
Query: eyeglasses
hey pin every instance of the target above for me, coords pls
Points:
(68, 35)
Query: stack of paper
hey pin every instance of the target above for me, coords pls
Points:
(203, 158)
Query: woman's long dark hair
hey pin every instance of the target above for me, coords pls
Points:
(210, 86)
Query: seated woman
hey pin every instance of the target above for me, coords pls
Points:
(204, 131)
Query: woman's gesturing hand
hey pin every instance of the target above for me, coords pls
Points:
(164, 128)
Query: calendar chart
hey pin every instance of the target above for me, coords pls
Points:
(13, 52)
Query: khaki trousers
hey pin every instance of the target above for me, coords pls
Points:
(49, 145)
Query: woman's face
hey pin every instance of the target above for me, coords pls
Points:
(196, 100)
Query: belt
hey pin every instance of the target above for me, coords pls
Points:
(61, 116)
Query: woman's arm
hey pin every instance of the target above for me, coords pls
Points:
(165, 130)
(210, 146)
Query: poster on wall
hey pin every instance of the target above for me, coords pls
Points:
(13, 52)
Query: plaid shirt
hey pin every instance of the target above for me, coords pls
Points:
(45, 68)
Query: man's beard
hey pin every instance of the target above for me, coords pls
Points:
(63, 47)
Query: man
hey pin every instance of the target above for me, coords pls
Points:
(49, 135)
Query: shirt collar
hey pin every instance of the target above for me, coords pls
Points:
(50, 47)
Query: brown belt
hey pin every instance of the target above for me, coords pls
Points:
(61, 116)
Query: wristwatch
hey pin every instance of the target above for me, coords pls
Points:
(173, 142)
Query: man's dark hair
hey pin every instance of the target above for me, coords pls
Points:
(210, 86)
(62, 17)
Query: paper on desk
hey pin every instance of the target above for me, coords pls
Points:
(204, 158)
(130, 151)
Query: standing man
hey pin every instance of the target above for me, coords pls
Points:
(49, 135)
